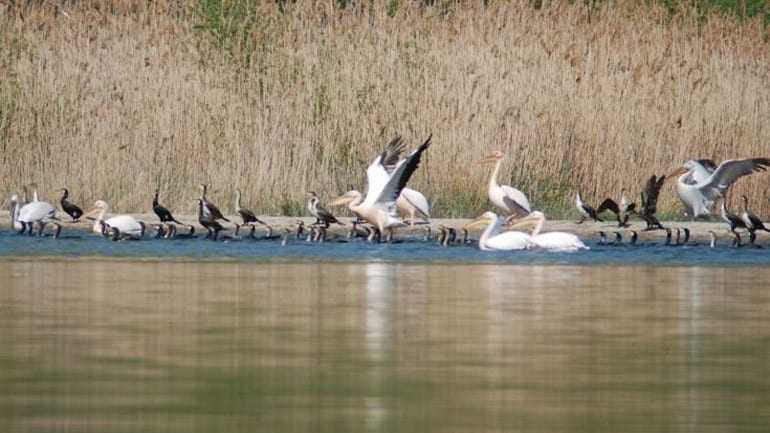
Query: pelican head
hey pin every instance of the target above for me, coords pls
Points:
(100, 208)
(346, 198)
(686, 168)
(532, 220)
(492, 157)
(484, 219)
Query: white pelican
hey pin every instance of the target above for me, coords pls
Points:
(551, 241)
(502, 195)
(37, 212)
(698, 194)
(384, 188)
(410, 202)
(352, 199)
(68, 207)
(126, 225)
(321, 214)
(492, 240)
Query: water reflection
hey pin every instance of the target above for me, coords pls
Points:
(198, 347)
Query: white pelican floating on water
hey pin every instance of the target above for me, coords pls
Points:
(126, 225)
(492, 240)
(384, 188)
(698, 187)
(551, 241)
(502, 195)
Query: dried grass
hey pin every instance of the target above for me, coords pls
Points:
(113, 100)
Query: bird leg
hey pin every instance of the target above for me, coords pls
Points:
(58, 230)
(237, 228)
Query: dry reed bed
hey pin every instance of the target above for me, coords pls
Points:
(113, 104)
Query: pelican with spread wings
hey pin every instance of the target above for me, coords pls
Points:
(699, 184)
(386, 176)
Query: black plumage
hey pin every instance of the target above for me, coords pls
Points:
(163, 214)
(70, 208)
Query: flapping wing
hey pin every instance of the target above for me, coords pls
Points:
(650, 194)
(731, 170)
(401, 175)
(708, 164)
(376, 179)
(392, 153)
(608, 205)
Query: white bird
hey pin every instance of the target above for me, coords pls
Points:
(37, 212)
(551, 241)
(412, 204)
(492, 240)
(126, 225)
(378, 208)
(13, 211)
(698, 193)
(504, 196)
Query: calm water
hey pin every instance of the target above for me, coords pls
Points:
(168, 346)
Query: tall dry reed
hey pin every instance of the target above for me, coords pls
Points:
(113, 101)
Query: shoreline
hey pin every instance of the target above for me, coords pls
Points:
(699, 230)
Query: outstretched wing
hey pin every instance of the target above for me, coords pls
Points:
(650, 194)
(608, 205)
(401, 175)
(392, 153)
(731, 170)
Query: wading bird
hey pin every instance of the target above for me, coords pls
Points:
(751, 221)
(164, 215)
(650, 202)
(551, 241)
(585, 210)
(127, 226)
(730, 218)
(499, 193)
(492, 240)
(410, 203)
(384, 188)
(210, 208)
(322, 216)
(622, 211)
(248, 217)
(698, 194)
(208, 220)
(13, 212)
(68, 207)
(37, 212)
